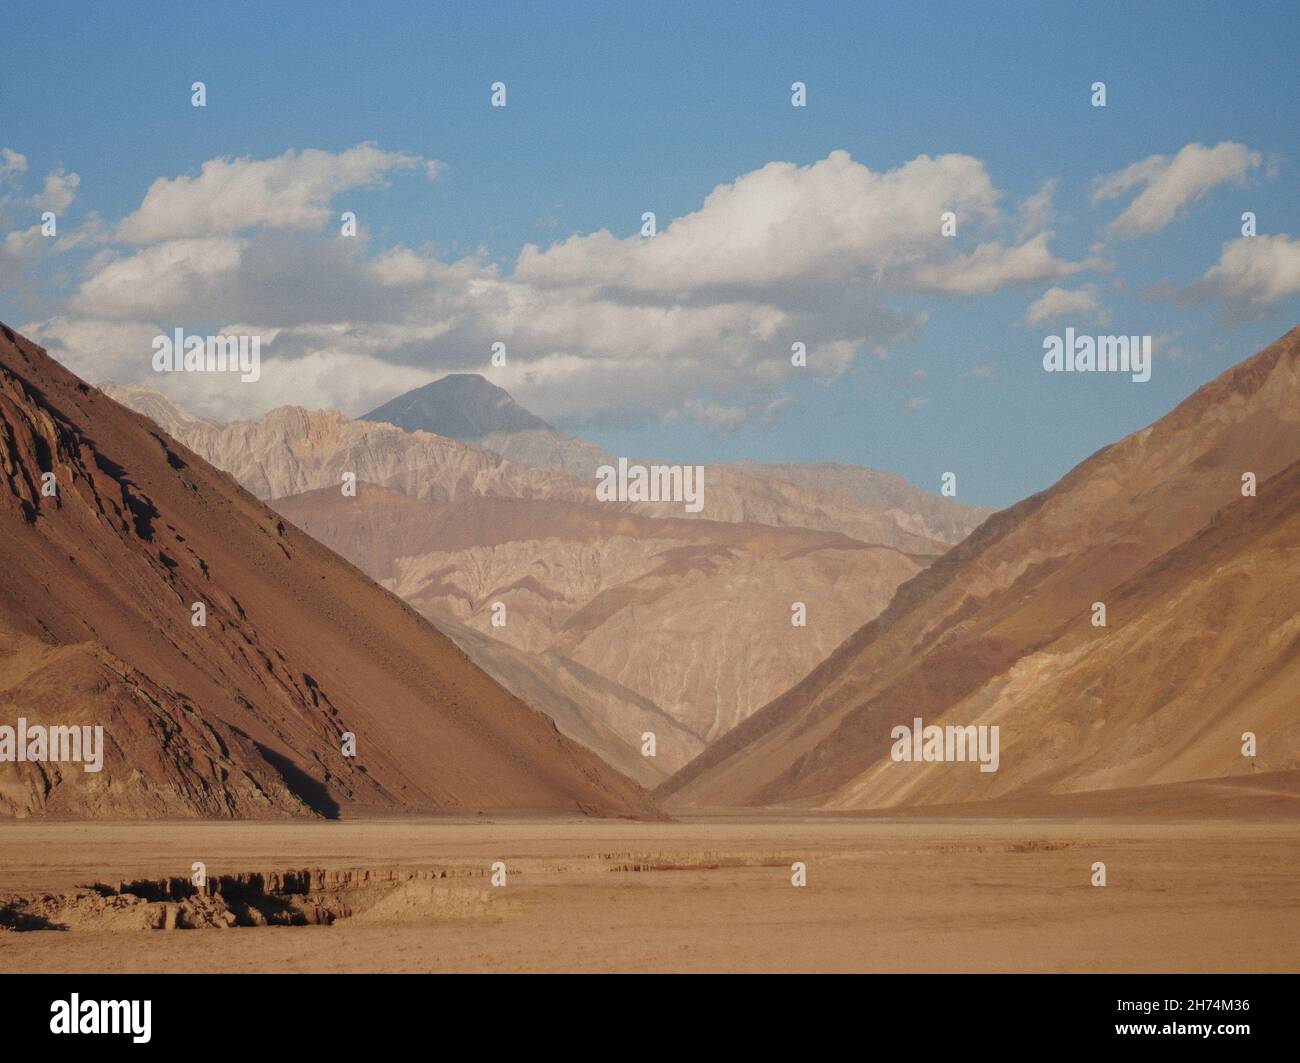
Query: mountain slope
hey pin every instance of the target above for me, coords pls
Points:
(931, 516)
(692, 616)
(1201, 646)
(984, 633)
(605, 717)
(242, 716)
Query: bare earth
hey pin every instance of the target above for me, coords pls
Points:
(911, 893)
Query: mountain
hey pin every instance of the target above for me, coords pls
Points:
(924, 514)
(686, 616)
(464, 406)
(469, 408)
(244, 714)
(290, 450)
(873, 506)
(693, 616)
(1200, 643)
(601, 714)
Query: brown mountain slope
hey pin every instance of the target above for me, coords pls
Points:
(604, 716)
(991, 627)
(243, 716)
(692, 616)
(1201, 646)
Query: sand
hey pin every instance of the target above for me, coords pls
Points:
(705, 894)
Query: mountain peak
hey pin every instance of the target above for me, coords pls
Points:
(463, 406)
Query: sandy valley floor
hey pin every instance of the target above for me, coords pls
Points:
(904, 894)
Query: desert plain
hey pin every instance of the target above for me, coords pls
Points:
(1200, 878)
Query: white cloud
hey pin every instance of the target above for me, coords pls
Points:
(725, 418)
(98, 349)
(22, 247)
(1253, 274)
(993, 266)
(57, 193)
(1170, 183)
(1079, 305)
(1165, 346)
(12, 163)
(830, 222)
(159, 281)
(696, 322)
(1036, 210)
(292, 191)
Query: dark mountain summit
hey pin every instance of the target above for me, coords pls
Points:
(463, 406)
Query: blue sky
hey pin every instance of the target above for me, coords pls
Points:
(613, 112)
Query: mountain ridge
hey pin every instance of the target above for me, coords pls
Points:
(1006, 591)
(244, 714)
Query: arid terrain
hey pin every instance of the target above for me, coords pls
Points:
(1212, 889)
(1126, 829)
(617, 618)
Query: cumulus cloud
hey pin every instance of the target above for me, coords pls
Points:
(993, 266)
(57, 192)
(1079, 305)
(23, 246)
(1036, 210)
(695, 322)
(292, 191)
(832, 221)
(1169, 183)
(12, 164)
(1253, 274)
(97, 349)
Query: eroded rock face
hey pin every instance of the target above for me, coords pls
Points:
(693, 617)
(245, 713)
(301, 897)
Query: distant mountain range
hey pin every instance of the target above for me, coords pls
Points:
(616, 614)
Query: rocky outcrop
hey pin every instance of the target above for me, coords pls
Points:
(304, 897)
